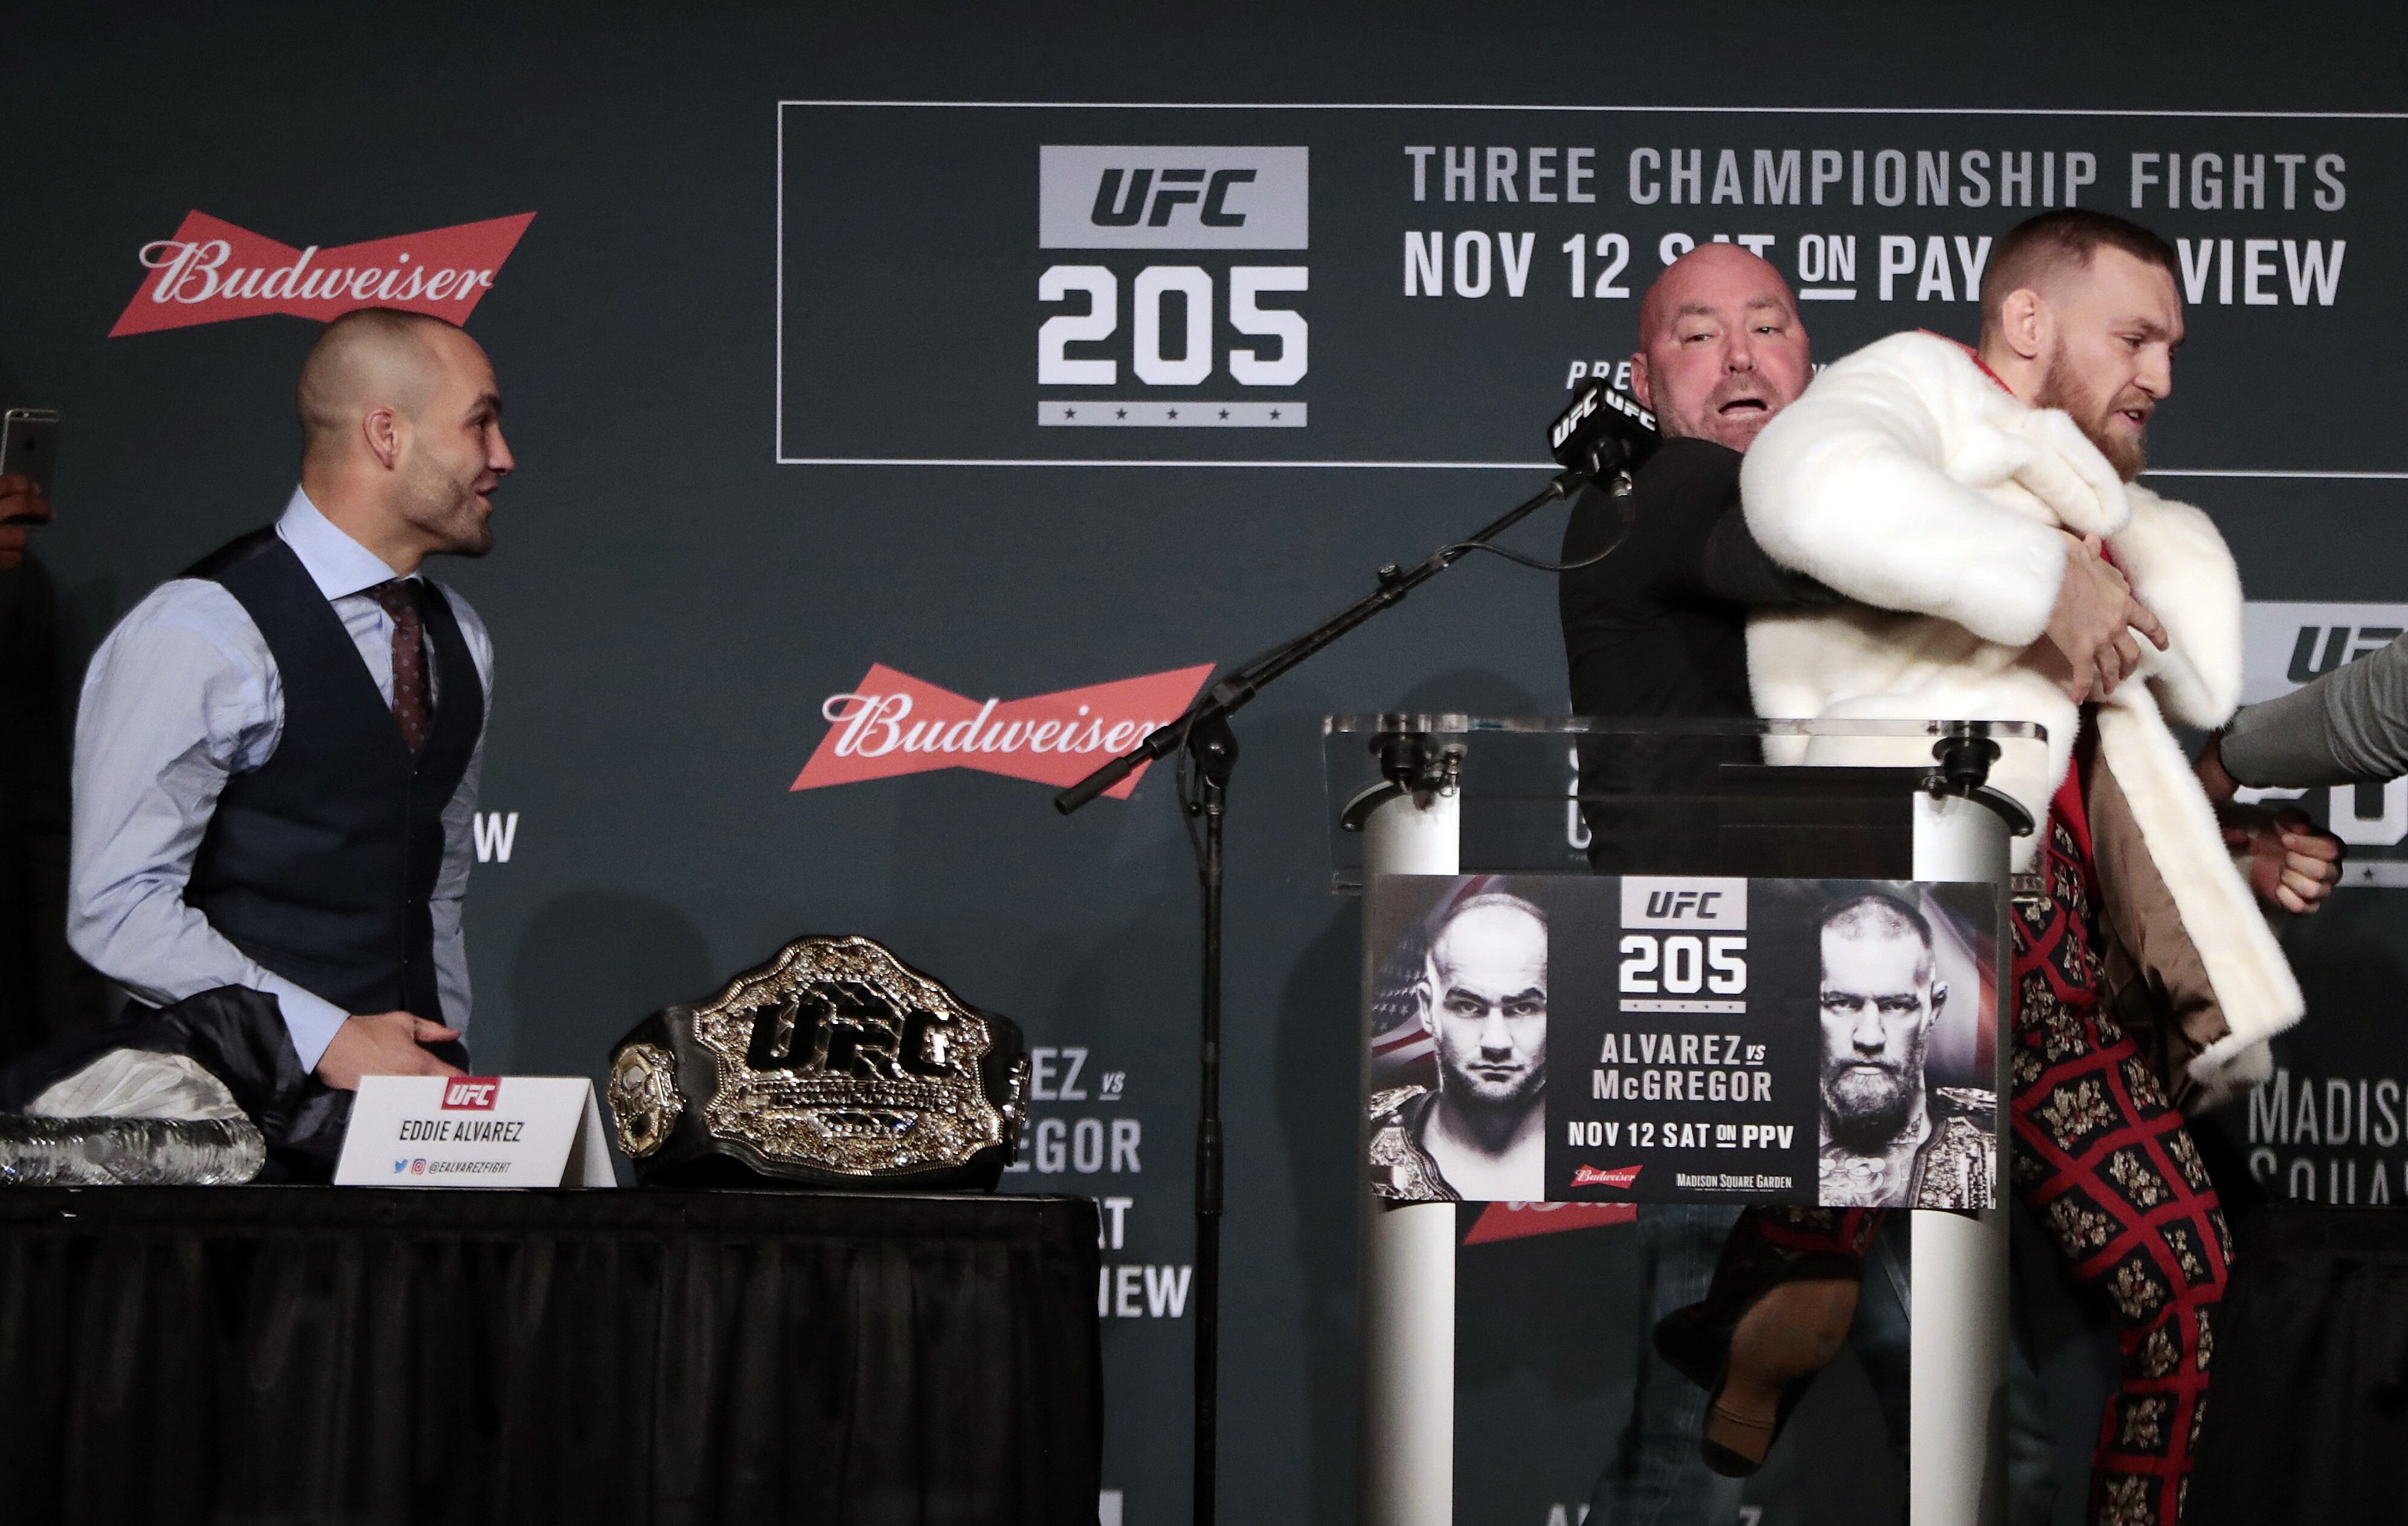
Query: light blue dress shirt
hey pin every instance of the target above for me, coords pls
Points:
(184, 693)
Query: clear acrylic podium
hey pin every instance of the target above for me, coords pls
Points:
(1904, 800)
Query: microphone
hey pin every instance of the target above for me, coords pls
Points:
(1603, 433)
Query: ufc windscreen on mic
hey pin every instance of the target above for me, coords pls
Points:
(1603, 432)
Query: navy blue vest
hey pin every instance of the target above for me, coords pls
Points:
(320, 863)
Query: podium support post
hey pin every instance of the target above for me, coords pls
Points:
(1204, 733)
(1406, 1446)
(1956, 1384)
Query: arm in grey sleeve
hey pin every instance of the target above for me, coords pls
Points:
(2348, 727)
(175, 700)
(1737, 569)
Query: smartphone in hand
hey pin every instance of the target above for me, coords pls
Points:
(29, 439)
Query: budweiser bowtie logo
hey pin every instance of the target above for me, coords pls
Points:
(212, 271)
(1621, 1178)
(1516, 1220)
(893, 723)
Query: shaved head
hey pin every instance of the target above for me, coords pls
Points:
(1488, 1003)
(401, 434)
(1693, 281)
(1721, 347)
(375, 357)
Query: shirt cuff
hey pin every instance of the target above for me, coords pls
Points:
(2275, 744)
(2241, 769)
(309, 1018)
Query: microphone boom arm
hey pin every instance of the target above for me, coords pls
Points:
(1232, 694)
(1598, 436)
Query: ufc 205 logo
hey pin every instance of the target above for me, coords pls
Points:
(1171, 339)
(1158, 197)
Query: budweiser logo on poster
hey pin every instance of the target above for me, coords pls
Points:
(1620, 1176)
(212, 271)
(893, 724)
(1520, 1221)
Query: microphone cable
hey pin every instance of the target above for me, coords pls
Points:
(1621, 493)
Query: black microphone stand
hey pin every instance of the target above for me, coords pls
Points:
(1212, 748)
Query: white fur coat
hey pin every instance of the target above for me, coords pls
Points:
(1908, 478)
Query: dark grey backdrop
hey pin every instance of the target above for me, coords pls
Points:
(672, 606)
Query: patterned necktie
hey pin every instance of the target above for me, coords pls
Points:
(410, 707)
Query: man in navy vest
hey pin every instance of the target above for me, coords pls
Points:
(276, 755)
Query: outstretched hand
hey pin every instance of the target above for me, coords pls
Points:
(2291, 863)
(2093, 625)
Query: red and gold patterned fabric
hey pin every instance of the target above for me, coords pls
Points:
(2105, 1159)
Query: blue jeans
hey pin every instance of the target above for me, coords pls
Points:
(1655, 1477)
(1883, 1335)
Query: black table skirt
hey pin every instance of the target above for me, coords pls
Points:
(2307, 1418)
(316, 1354)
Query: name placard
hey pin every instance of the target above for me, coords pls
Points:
(475, 1131)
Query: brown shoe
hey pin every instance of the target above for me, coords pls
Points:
(1773, 1317)
(1788, 1334)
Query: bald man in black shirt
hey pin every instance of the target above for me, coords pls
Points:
(1659, 627)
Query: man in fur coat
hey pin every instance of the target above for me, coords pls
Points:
(1983, 508)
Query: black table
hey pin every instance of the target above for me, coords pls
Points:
(2307, 1415)
(357, 1354)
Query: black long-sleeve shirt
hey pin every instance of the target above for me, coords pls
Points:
(1659, 629)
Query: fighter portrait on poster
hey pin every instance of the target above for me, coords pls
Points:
(1890, 1140)
(1482, 1001)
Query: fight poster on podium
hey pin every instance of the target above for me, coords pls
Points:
(1576, 1038)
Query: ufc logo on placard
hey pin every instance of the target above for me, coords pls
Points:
(473, 1093)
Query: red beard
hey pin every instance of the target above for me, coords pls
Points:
(2063, 388)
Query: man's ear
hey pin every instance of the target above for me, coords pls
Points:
(1938, 1000)
(1640, 388)
(2026, 322)
(381, 428)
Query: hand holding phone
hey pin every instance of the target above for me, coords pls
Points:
(28, 441)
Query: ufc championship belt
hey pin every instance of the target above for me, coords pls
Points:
(834, 1065)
